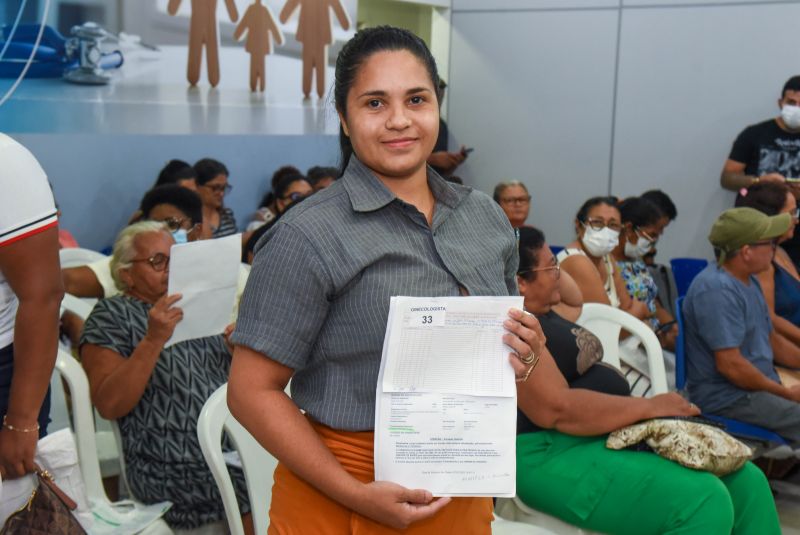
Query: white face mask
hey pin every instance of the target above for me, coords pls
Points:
(180, 236)
(791, 116)
(639, 249)
(599, 242)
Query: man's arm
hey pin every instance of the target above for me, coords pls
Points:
(31, 268)
(734, 178)
(739, 371)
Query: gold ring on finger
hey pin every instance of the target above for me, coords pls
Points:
(528, 359)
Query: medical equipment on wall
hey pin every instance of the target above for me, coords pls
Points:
(78, 59)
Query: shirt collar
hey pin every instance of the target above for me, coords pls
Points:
(367, 193)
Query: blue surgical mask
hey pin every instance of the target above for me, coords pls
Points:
(180, 235)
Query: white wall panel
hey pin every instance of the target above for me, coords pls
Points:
(533, 93)
(521, 5)
(689, 81)
(696, 3)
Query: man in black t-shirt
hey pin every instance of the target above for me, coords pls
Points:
(770, 151)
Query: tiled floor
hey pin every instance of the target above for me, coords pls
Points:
(787, 500)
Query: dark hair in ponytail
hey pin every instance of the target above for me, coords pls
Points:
(356, 51)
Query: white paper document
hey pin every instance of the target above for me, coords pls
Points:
(445, 417)
(206, 274)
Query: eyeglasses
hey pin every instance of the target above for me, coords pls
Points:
(771, 243)
(218, 188)
(174, 223)
(555, 268)
(652, 239)
(516, 200)
(599, 224)
(159, 261)
(295, 196)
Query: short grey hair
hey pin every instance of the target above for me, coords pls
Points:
(502, 186)
(125, 247)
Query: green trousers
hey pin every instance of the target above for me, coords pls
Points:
(579, 480)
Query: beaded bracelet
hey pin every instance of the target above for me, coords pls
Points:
(19, 429)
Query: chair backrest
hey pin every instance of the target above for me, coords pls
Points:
(680, 346)
(75, 257)
(684, 270)
(606, 322)
(257, 463)
(83, 425)
(77, 305)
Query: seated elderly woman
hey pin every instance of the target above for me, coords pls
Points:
(514, 199)
(156, 393)
(568, 405)
(588, 259)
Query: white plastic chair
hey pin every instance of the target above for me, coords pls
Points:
(606, 322)
(75, 257)
(107, 447)
(85, 440)
(259, 465)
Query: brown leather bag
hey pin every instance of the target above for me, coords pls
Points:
(48, 512)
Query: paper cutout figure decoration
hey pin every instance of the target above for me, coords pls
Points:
(256, 26)
(314, 31)
(203, 33)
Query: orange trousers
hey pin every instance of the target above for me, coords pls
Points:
(299, 509)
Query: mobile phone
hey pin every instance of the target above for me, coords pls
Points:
(468, 150)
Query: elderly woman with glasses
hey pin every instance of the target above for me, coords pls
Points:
(212, 186)
(156, 392)
(588, 259)
(570, 403)
(514, 199)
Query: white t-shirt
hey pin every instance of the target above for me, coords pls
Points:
(26, 208)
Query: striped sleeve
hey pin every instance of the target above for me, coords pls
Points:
(26, 205)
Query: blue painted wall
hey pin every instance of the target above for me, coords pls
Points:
(99, 180)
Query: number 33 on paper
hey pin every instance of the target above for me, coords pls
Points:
(428, 318)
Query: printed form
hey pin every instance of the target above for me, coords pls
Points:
(446, 405)
(206, 273)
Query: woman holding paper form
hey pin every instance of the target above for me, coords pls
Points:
(317, 301)
(573, 401)
(156, 394)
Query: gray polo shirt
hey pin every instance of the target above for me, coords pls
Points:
(317, 299)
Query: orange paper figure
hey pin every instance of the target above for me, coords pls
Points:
(203, 33)
(314, 31)
(257, 24)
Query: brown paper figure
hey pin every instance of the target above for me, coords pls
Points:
(314, 31)
(256, 25)
(203, 33)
